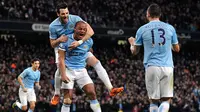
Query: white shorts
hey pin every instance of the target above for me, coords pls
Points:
(159, 82)
(79, 75)
(26, 96)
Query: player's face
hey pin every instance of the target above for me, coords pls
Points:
(80, 30)
(63, 14)
(36, 65)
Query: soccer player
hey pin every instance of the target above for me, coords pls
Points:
(72, 66)
(58, 29)
(27, 79)
(158, 38)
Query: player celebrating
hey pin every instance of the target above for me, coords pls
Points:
(72, 67)
(58, 30)
(158, 39)
(27, 79)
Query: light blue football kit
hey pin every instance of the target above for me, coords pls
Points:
(75, 62)
(29, 78)
(157, 38)
(56, 29)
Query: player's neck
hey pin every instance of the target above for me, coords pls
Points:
(34, 69)
(154, 19)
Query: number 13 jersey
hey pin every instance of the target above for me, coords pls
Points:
(157, 38)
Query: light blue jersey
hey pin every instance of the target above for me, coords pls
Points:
(56, 28)
(157, 38)
(76, 58)
(29, 77)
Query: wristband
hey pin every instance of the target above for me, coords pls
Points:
(132, 47)
(80, 42)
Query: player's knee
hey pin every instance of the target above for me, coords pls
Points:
(92, 61)
(32, 106)
(67, 101)
(24, 108)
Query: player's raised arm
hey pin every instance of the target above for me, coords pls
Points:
(134, 49)
(90, 32)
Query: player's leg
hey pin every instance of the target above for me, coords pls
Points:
(56, 98)
(166, 91)
(103, 75)
(32, 106)
(31, 99)
(68, 91)
(152, 75)
(23, 100)
(85, 82)
(67, 100)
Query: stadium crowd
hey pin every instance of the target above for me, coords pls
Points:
(182, 14)
(123, 69)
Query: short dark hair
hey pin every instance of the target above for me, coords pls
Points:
(35, 59)
(154, 10)
(79, 23)
(61, 5)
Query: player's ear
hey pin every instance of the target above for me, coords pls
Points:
(57, 14)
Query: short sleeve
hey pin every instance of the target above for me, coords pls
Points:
(138, 37)
(24, 73)
(52, 33)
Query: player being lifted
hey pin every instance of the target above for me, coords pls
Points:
(58, 29)
(27, 79)
(158, 38)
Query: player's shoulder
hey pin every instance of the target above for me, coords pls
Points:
(73, 16)
(54, 22)
(27, 70)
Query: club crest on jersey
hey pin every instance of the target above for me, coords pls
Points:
(85, 46)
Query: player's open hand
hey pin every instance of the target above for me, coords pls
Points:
(63, 38)
(25, 89)
(65, 79)
(74, 45)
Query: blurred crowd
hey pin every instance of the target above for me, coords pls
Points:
(182, 14)
(123, 69)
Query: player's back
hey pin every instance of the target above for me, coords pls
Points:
(157, 38)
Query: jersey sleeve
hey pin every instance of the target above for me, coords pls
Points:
(24, 73)
(138, 37)
(52, 32)
(62, 46)
(91, 43)
(174, 36)
(38, 79)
